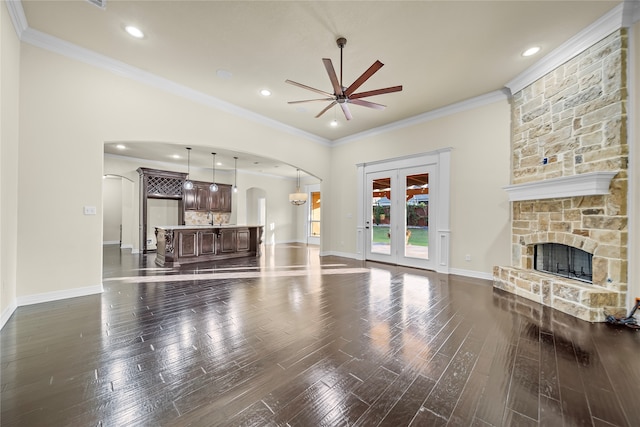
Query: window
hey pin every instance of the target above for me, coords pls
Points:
(314, 214)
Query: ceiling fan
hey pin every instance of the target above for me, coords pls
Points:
(345, 95)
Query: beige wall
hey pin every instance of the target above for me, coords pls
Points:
(111, 209)
(77, 108)
(479, 139)
(9, 82)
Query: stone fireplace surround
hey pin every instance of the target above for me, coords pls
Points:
(570, 221)
(569, 175)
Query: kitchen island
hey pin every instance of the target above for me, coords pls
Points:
(185, 244)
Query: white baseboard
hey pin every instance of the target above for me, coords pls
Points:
(126, 247)
(111, 242)
(7, 312)
(58, 295)
(341, 254)
(471, 273)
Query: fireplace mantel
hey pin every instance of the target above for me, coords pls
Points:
(585, 184)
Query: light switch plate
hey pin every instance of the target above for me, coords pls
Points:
(89, 210)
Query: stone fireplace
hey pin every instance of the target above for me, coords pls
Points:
(564, 261)
(569, 175)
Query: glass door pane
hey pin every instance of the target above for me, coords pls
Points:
(380, 235)
(416, 243)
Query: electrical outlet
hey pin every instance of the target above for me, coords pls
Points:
(467, 257)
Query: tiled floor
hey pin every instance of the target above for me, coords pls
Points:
(294, 339)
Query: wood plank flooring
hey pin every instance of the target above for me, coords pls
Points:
(293, 339)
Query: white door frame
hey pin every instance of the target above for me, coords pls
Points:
(441, 160)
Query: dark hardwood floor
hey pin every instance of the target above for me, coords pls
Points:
(295, 339)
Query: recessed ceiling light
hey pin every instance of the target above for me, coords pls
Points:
(120, 147)
(134, 31)
(175, 156)
(531, 51)
(224, 74)
(265, 92)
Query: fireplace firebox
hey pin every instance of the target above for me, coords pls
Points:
(563, 260)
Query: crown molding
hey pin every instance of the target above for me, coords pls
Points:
(53, 44)
(18, 18)
(469, 104)
(605, 25)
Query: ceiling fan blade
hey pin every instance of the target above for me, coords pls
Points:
(363, 78)
(321, 92)
(367, 104)
(345, 110)
(310, 100)
(376, 92)
(326, 109)
(328, 65)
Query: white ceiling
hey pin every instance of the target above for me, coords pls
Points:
(442, 52)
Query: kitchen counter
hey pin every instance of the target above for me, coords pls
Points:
(185, 244)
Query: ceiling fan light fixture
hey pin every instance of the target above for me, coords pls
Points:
(345, 95)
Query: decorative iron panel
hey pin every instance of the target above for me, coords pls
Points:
(163, 186)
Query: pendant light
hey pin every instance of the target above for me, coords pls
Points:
(235, 174)
(188, 184)
(298, 198)
(213, 187)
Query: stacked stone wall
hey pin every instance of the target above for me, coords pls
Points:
(573, 121)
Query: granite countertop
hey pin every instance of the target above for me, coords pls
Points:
(190, 227)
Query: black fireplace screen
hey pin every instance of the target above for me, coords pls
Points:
(563, 261)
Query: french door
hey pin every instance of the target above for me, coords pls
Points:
(401, 203)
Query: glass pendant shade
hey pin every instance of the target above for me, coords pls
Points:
(298, 198)
(213, 187)
(188, 185)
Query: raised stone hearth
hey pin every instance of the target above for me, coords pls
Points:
(581, 300)
(570, 182)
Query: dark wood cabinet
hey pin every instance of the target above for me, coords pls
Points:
(227, 241)
(200, 198)
(189, 199)
(186, 244)
(224, 198)
(243, 240)
(207, 242)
